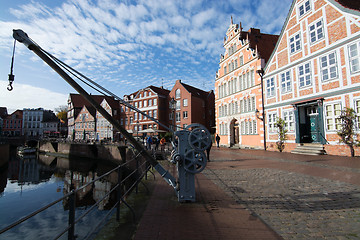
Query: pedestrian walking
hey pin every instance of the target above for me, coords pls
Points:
(217, 140)
(208, 152)
(157, 141)
(162, 144)
(149, 141)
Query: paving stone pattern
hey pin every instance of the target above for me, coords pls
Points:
(296, 206)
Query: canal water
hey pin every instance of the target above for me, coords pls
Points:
(30, 182)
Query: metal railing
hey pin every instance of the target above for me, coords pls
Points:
(136, 175)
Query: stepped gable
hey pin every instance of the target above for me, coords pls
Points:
(264, 43)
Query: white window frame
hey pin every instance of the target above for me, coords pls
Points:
(328, 67)
(286, 82)
(272, 118)
(185, 102)
(178, 105)
(315, 29)
(289, 119)
(303, 76)
(332, 123)
(185, 114)
(354, 57)
(295, 43)
(357, 112)
(304, 8)
(270, 87)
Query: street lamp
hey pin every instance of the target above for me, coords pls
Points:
(257, 113)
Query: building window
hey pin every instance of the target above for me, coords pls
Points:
(272, 118)
(225, 70)
(177, 93)
(328, 67)
(185, 114)
(241, 59)
(145, 94)
(289, 121)
(316, 31)
(178, 106)
(354, 57)
(140, 105)
(155, 113)
(295, 43)
(171, 116)
(332, 114)
(285, 82)
(253, 104)
(304, 8)
(270, 87)
(177, 116)
(145, 103)
(304, 75)
(185, 102)
(155, 101)
(357, 112)
(150, 102)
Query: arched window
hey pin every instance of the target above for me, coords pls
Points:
(177, 93)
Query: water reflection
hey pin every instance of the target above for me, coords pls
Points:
(30, 182)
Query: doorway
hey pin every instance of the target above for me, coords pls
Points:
(309, 123)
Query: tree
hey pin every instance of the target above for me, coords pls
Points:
(61, 112)
(347, 131)
(282, 133)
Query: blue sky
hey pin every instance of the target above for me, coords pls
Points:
(122, 45)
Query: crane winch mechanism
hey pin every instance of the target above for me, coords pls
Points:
(188, 152)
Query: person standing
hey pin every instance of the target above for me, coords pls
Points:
(162, 144)
(149, 142)
(208, 152)
(217, 140)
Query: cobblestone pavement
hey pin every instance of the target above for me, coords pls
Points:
(299, 197)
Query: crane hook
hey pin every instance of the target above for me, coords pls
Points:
(11, 79)
(11, 75)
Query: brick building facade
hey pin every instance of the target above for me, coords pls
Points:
(12, 124)
(314, 73)
(152, 101)
(238, 86)
(192, 105)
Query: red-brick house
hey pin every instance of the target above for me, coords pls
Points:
(152, 101)
(314, 73)
(12, 124)
(192, 105)
(238, 87)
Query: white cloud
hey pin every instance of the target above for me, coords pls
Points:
(26, 96)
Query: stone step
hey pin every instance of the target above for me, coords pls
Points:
(309, 149)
